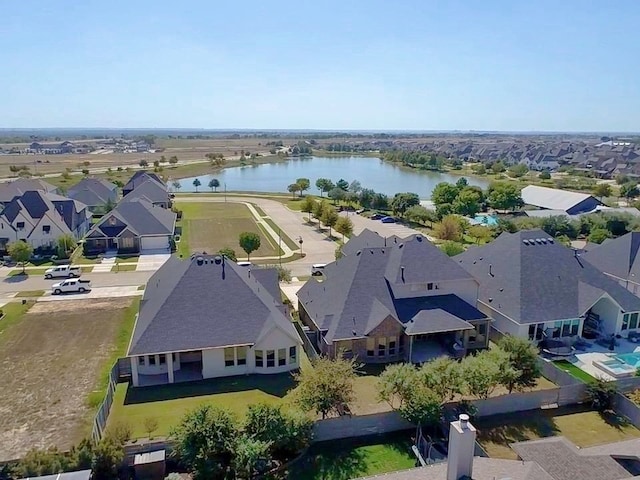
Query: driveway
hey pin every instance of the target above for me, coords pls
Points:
(151, 261)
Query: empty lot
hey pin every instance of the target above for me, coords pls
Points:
(51, 359)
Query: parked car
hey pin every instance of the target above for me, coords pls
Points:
(388, 220)
(317, 269)
(377, 216)
(63, 271)
(75, 285)
(360, 210)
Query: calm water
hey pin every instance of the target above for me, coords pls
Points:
(370, 172)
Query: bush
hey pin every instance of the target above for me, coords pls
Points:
(601, 394)
(544, 175)
(286, 432)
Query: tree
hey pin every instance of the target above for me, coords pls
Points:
(601, 394)
(197, 183)
(544, 175)
(327, 387)
(285, 430)
(329, 218)
(150, 425)
(498, 167)
(214, 183)
(173, 160)
(444, 376)
(602, 190)
(559, 225)
(250, 457)
(480, 233)
(462, 183)
(249, 242)
(395, 383)
(403, 201)
(20, 252)
(365, 197)
(599, 235)
(422, 407)
(318, 209)
(467, 203)
(163, 159)
(523, 358)
(380, 201)
(420, 214)
(452, 248)
(485, 371)
(518, 170)
(205, 439)
(337, 194)
(342, 184)
(156, 163)
(293, 188)
(505, 196)
(444, 193)
(228, 253)
(66, 244)
(308, 205)
(324, 185)
(108, 456)
(337, 253)
(448, 229)
(629, 190)
(176, 185)
(303, 184)
(143, 163)
(355, 186)
(344, 226)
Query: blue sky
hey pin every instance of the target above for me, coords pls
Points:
(570, 65)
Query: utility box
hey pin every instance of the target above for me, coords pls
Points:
(150, 465)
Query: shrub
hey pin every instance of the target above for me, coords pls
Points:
(601, 393)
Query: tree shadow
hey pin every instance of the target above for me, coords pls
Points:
(518, 427)
(614, 420)
(20, 277)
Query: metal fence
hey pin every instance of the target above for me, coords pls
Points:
(120, 370)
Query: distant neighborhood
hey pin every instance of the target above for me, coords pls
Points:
(106, 146)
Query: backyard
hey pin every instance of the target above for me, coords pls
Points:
(209, 227)
(55, 357)
(580, 425)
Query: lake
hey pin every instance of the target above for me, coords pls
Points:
(370, 172)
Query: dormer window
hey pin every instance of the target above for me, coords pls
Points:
(20, 225)
(46, 229)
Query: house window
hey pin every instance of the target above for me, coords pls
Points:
(429, 286)
(141, 361)
(482, 329)
(282, 357)
(566, 329)
(152, 359)
(229, 357)
(625, 321)
(46, 229)
(271, 358)
(371, 345)
(293, 354)
(20, 225)
(163, 359)
(259, 359)
(241, 355)
(575, 326)
(392, 345)
(633, 323)
(382, 347)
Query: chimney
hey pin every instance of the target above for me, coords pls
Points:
(462, 444)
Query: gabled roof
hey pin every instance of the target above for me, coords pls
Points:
(36, 203)
(618, 257)
(93, 191)
(197, 303)
(15, 188)
(529, 277)
(150, 190)
(552, 198)
(361, 290)
(139, 178)
(368, 238)
(141, 217)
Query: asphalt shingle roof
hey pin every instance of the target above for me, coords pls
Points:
(139, 178)
(93, 191)
(141, 217)
(618, 256)
(79, 475)
(195, 303)
(150, 190)
(15, 188)
(530, 278)
(368, 238)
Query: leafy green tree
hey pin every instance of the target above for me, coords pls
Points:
(601, 394)
(337, 194)
(250, 457)
(150, 425)
(355, 187)
(422, 407)
(523, 358)
(143, 163)
(444, 193)
(467, 203)
(480, 233)
(20, 252)
(156, 163)
(448, 229)
(462, 183)
(285, 430)
(602, 190)
(66, 244)
(395, 383)
(629, 190)
(308, 205)
(401, 202)
(420, 214)
(303, 184)
(559, 225)
(544, 175)
(599, 235)
(505, 196)
(486, 370)
(173, 160)
(38, 462)
(214, 183)
(365, 197)
(293, 188)
(479, 169)
(518, 170)
(318, 209)
(229, 253)
(205, 439)
(163, 159)
(380, 201)
(329, 218)
(197, 183)
(249, 242)
(344, 226)
(498, 167)
(108, 457)
(342, 184)
(444, 376)
(452, 248)
(337, 254)
(324, 185)
(327, 387)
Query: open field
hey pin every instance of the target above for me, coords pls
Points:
(53, 357)
(211, 226)
(583, 427)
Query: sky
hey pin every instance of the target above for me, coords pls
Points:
(489, 65)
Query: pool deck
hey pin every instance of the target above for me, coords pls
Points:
(584, 359)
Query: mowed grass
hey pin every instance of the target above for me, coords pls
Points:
(574, 371)
(345, 459)
(209, 227)
(583, 427)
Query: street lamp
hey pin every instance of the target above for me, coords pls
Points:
(300, 242)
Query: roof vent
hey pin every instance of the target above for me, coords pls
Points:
(490, 299)
(550, 240)
(217, 259)
(371, 252)
(419, 238)
(199, 260)
(539, 241)
(358, 253)
(526, 242)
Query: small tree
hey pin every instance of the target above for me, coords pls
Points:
(286, 430)
(173, 160)
(344, 226)
(601, 394)
(337, 254)
(480, 233)
(308, 205)
(143, 163)
(20, 252)
(318, 209)
(602, 190)
(329, 218)
(66, 244)
(293, 188)
(336, 194)
(150, 425)
(629, 190)
(420, 214)
(176, 185)
(395, 382)
(214, 183)
(156, 163)
(422, 407)
(599, 235)
(303, 184)
(448, 229)
(452, 248)
(197, 183)
(324, 185)
(523, 357)
(249, 242)
(327, 387)
(108, 456)
(401, 202)
(250, 457)
(485, 371)
(544, 175)
(445, 377)
(228, 253)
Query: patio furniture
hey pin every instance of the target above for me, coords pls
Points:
(634, 337)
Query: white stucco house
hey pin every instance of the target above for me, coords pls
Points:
(207, 317)
(538, 289)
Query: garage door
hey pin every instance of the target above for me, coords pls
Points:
(155, 243)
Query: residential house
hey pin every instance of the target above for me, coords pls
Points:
(535, 288)
(156, 193)
(407, 301)
(368, 239)
(41, 218)
(135, 226)
(207, 317)
(573, 203)
(138, 179)
(619, 259)
(15, 188)
(94, 192)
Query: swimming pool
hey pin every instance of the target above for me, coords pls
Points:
(489, 220)
(632, 359)
(615, 367)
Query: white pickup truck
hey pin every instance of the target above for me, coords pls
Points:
(63, 271)
(73, 285)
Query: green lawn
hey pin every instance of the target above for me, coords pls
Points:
(124, 268)
(574, 371)
(210, 227)
(285, 238)
(168, 403)
(12, 314)
(30, 293)
(345, 459)
(28, 271)
(583, 427)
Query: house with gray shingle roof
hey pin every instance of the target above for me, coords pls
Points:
(207, 317)
(135, 226)
(94, 192)
(147, 185)
(535, 288)
(406, 301)
(15, 188)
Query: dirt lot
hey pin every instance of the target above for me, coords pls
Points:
(50, 360)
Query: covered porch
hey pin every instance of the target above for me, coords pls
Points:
(161, 369)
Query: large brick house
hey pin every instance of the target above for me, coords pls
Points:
(407, 301)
